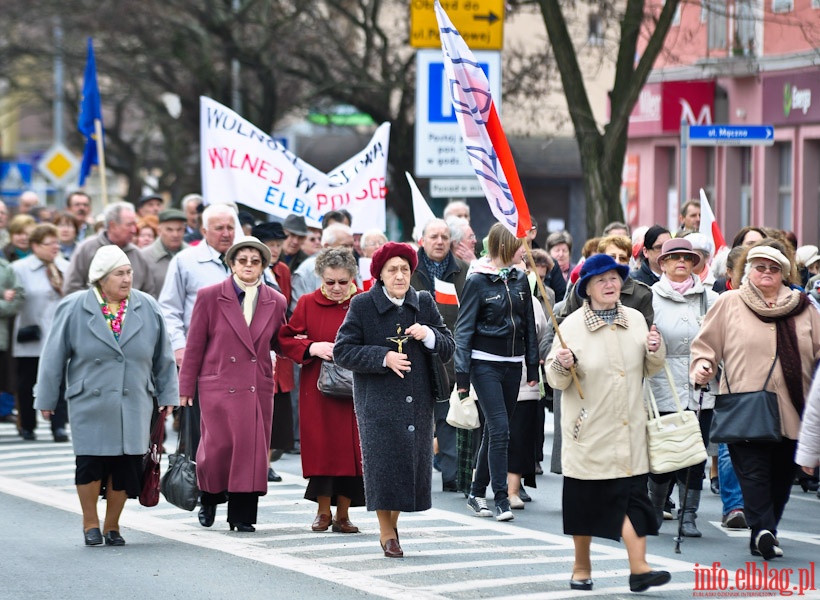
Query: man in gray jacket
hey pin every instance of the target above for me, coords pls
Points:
(158, 255)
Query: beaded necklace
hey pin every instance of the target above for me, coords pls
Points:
(114, 321)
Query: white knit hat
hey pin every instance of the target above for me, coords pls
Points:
(106, 260)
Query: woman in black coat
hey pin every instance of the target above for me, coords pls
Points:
(387, 340)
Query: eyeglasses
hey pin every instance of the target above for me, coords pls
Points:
(253, 261)
(657, 247)
(342, 282)
(767, 268)
(676, 257)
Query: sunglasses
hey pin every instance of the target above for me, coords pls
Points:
(676, 257)
(244, 261)
(767, 268)
(331, 283)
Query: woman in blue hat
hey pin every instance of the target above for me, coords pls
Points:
(604, 454)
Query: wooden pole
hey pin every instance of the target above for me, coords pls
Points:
(101, 159)
(549, 311)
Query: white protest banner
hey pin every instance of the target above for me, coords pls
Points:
(243, 164)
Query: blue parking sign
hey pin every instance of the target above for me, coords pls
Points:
(439, 101)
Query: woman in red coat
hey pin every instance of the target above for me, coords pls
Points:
(331, 454)
(227, 356)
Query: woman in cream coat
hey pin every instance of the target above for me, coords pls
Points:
(604, 451)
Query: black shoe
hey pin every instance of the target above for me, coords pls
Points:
(113, 538)
(242, 527)
(93, 537)
(765, 543)
(207, 514)
(580, 584)
(522, 493)
(642, 582)
(60, 435)
(276, 454)
(273, 475)
(27, 435)
(714, 485)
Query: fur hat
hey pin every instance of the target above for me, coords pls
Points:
(391, 250)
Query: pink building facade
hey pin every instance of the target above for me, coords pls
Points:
(739, 64)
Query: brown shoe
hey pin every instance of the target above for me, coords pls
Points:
(392, 549)
(321, 522)
(344, 526)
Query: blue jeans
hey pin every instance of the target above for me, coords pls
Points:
(730, 492)
(496, 385)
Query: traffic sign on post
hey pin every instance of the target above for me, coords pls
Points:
(480, 23)
(58, 164)
(731, 135)
(440, 148)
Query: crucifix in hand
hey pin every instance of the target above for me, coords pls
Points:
(399, 340)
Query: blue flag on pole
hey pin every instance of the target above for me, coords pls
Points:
(90, 110)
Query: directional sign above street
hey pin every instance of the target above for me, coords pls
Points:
(731, 135)
(480, 23)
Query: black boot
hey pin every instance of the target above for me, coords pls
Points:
(657, 496)
(690, 505)
(207, 514)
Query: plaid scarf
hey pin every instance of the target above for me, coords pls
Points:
(434, 269)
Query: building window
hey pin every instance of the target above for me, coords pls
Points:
(784, 187)
(781, 6)
(745, 186)
(714, 12)
(596, 30)
(744, 41)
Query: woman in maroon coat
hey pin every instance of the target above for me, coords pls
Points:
(331, 453)
(227, 356)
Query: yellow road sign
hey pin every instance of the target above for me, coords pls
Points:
(480, 23)
(58, 164)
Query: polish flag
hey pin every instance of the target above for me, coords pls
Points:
(422, 214)
(480, 126)
(708, 225)
(445, 292)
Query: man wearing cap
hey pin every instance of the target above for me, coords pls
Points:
(650, 271)
(440, 270)
(149, 205)
(292, 253)
(165, 247)
(120, 229)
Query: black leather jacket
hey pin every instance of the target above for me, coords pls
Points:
(496, 316)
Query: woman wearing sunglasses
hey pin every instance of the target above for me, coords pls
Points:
(766, 325)
(227, 357)
(680, 301)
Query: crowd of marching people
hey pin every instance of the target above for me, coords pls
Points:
(348, 349)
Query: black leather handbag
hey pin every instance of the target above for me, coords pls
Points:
(746, 416)
(178, 484)
(440, 383)
(335, 381)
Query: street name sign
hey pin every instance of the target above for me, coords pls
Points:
(440, 150)
(731, 135)
(463, 187)
(480, 23)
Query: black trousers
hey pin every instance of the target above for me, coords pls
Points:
(242, 506)
(26, 373)
(765, 471)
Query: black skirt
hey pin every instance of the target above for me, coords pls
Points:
(335, 486)
(522, 452)
(125, 472)
(597, 507)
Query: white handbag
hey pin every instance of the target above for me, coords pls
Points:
(463, 413)
(674, 440)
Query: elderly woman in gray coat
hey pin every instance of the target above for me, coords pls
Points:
(387, 340)
(108, 344)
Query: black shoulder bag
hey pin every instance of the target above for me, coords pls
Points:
(746, 416)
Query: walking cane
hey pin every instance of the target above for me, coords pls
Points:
(679, 537)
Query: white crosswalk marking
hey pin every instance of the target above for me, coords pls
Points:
(480, 557)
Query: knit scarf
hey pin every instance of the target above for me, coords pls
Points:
(249, 303)
(436, 270)
(783, 318)
(680, 287)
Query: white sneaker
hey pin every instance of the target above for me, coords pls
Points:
(516, 503)
(502, 511)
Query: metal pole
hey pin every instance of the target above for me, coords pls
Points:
(236, 96)
(59, 92)
(684, 151)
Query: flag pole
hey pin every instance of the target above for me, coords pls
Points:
(549, 311)
(101, 156)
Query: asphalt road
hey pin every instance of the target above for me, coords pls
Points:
(449, 554)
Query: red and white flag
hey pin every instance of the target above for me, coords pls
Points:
(445, 292)
(422, 213)
(480, 126)
(709, 225)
